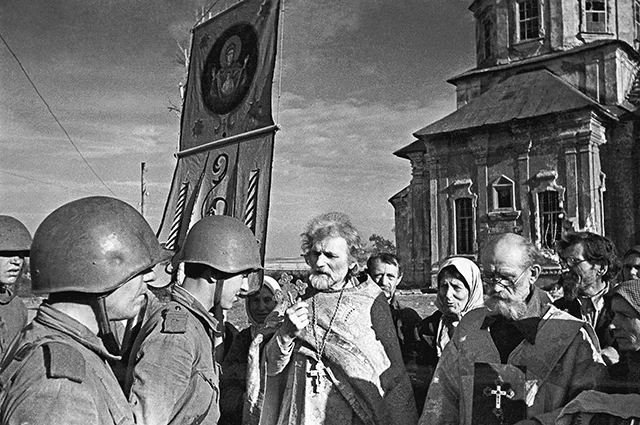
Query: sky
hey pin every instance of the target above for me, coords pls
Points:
(354, 80)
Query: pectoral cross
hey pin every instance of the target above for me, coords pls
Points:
(498, 393)
(315, 373)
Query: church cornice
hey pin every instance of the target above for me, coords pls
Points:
(539, 60)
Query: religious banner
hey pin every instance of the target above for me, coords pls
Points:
(227, 132)
(230, 73)
(498, 394)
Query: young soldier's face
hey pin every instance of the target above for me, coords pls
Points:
(10, 266)
(126, 301)
(231, 288)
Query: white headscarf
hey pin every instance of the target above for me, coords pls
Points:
(471, 275)
(274, 286)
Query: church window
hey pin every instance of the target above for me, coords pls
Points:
(485, 36)
(464, 225)
(595, 15)
(503, 193)
(550, 218)
(528, 19)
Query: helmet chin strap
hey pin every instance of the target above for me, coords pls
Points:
(99, 307)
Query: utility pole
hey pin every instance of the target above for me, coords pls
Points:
(143, 186)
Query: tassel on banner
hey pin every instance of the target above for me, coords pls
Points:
(252, 201)
(177, 218)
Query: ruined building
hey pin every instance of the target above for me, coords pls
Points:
(544, 138)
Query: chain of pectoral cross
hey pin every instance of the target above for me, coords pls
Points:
(315, 372)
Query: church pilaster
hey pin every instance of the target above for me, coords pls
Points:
(522, 189)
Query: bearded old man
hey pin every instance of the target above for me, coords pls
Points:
(517, 360)
(336, 356)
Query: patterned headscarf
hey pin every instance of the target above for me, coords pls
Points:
(471, 275)
(630, 291)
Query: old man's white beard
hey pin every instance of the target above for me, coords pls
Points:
(512, 310)
(321, 282)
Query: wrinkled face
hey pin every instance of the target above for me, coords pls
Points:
(10, 266)
(631, 267)
(453, 293)
(126, 301)
(386, 276)
(506, 280)
(625, 324)
(587, 276)
(330, 264)
(261, 304)
(231, 288)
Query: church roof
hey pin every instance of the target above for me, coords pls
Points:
(522, 96)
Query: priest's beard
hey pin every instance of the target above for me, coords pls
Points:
(321, 282)
(512, 310)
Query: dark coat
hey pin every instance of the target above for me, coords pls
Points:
(603, 332)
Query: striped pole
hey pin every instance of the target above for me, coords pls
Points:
(252, 200)
(177, 218)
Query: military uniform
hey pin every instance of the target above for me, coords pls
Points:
(173, 378)
(58, 375)
(13, 317)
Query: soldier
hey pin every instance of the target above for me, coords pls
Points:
(173, 376)
(15, 242)
(94, 257)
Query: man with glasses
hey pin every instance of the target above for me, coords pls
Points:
(518, 359)
(589, 262)
(173, 374)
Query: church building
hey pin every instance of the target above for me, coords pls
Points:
(544, 138)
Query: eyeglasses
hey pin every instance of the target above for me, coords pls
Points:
(566, 263)
(502, 281)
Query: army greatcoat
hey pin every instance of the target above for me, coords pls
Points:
(173, 378)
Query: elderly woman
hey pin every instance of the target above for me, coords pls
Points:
(459, 291)
(631, 264)
(241, 361)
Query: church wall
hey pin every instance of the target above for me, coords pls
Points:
(606, 74)
(621, 165)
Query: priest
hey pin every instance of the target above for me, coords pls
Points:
(518, 359)
(336, 359)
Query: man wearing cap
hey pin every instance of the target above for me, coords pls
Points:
(15, 242)
(173, 375)
(94, 257)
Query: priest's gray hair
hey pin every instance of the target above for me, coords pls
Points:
(331, 225)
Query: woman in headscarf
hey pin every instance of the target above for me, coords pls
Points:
(240, 367)
(459, 291)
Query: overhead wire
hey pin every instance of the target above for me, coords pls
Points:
(44, 182)
(24, 71)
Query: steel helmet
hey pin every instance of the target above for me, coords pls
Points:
(14, 236)
(92, 245)
(221, 242)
